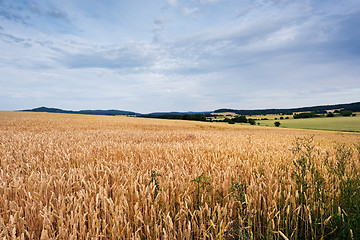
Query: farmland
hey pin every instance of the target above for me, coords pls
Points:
(338, 123)
(104, 177)
(347, 124)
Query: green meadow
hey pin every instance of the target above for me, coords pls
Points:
(346, 124)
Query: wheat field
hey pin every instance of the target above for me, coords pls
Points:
(109, 177)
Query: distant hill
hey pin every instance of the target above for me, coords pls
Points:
(355, 107)
(89, 112)
(109, 112)
(176, 113)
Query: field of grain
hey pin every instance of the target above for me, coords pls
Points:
(105, 177)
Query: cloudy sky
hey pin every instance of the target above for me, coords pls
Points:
(178, 55)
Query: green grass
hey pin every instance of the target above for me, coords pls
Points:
(268, 116)
(346, 124)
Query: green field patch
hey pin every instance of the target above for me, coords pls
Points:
(346, 124)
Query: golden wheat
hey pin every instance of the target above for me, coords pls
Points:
(89, 177)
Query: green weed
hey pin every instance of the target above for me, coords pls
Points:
(202, 185)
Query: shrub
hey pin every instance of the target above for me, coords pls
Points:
(305, 115)
(346, 113)
(277, 124)
(240, 119)
(251, 121)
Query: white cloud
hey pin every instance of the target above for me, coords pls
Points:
(190, 11)
(158, 29)
(172, 3)
(56, 13)
(277, 52)
(209, 1)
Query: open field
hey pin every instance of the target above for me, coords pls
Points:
(223, 114)
(269, 116)
(348, 124)
(103, 177)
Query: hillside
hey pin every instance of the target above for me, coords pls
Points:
(355, 107)
(90, 112)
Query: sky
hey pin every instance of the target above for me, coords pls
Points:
(173, 55)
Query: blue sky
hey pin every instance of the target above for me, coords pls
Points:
(172, 55)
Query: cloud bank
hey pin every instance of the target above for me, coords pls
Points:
(178, 55)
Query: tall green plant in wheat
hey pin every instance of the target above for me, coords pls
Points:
(346, 206)
(153, 179)
(202, 185)
(310, 190)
